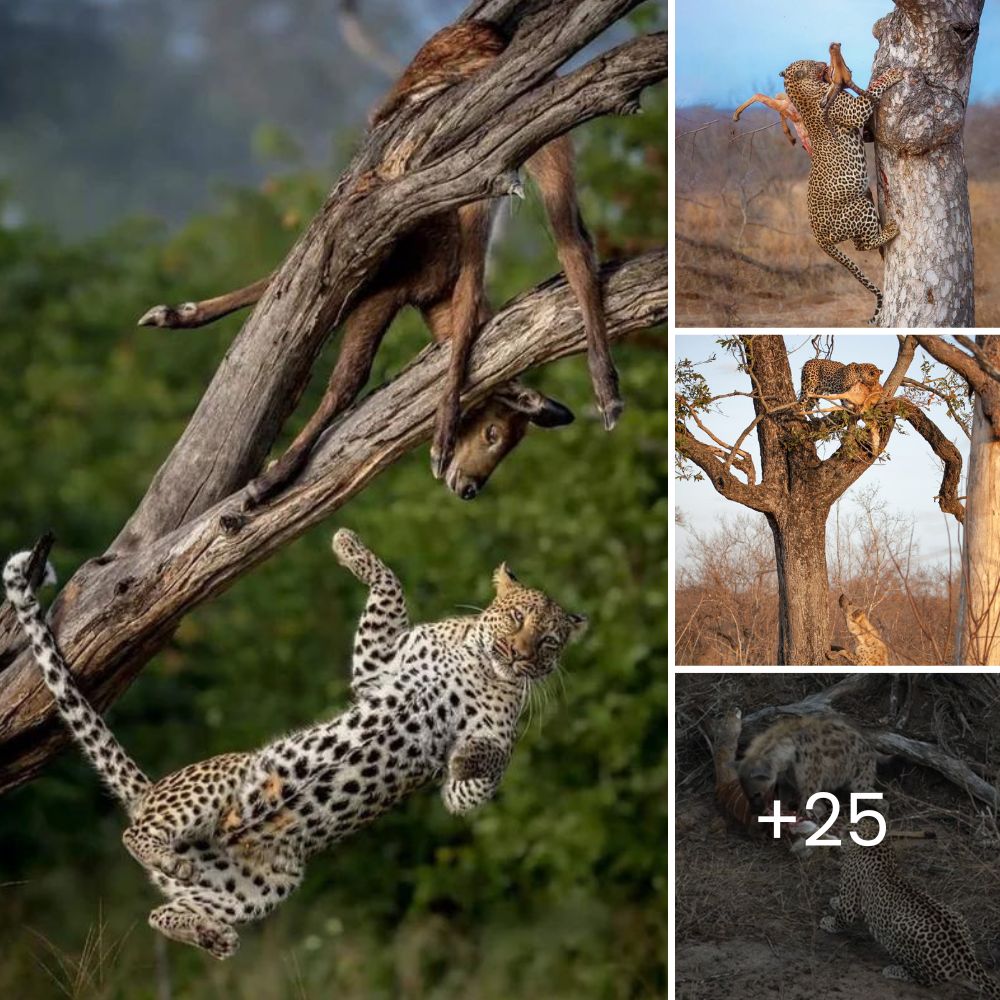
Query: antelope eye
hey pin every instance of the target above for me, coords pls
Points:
(516, 616)
(491, 433)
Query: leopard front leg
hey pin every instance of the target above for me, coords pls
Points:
(475, 768)
(845, 910)
(385, 617)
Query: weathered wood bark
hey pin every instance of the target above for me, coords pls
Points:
(456, 148)
(798, 489)
(923, 183)
(112, 616)
(978, 633)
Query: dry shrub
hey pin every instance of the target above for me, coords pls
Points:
(727, 591)
(745, 253)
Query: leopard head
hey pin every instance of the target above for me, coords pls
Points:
(804, 78)
(870, 374)
(525, 631)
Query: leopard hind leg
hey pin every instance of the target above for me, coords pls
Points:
(180, 815)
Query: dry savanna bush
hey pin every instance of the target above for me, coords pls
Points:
(745, 253)
(727, 590)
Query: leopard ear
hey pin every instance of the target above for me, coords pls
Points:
(504, 580)
(577, 625)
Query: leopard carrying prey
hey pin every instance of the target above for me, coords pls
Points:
(226, 839)
(839, 198)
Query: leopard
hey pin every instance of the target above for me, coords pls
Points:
(929, 941)
(227, 839)
(839, 199)
(796, 757)
(855, 383)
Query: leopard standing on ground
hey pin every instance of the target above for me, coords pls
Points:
(930, 941)
(839, 198)
(855, 383)
(227, 839)
(799, 756)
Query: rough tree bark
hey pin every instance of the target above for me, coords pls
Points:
(189, 538)
(798, 489)
(920, 155)
(977, 632)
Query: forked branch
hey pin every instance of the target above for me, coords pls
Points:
(113, 615)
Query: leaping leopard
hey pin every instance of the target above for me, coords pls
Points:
(227, 839)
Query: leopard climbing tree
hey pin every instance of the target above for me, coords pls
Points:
(795, 487)
(920, 158)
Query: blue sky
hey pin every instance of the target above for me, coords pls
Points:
(907, 483)
(729, 49)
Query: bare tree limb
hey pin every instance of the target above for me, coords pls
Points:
(514, 107)
(112, 616)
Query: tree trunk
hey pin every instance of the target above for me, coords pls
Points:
(800, 549)
(978, 632)
(922, 180)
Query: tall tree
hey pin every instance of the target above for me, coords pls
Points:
(919, 151)
(797, 488)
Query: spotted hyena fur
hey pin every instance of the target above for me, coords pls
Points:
(799, 756)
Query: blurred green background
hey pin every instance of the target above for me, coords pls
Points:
(556, 889)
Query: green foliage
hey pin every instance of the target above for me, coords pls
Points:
(559, 887)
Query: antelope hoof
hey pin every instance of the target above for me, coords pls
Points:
(439, 464)
(169, 317)
(611, 412)
(258, 490)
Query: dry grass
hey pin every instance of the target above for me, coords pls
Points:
(745, 253)
(748, 912)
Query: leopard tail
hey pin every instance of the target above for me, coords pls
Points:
(985, 984)
(113, 764)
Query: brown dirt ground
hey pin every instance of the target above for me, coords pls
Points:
(747, 912)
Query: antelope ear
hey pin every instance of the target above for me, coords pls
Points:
(504, 580)
(540, 410)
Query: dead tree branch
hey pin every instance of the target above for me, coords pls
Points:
(113, 615)
(418, 163)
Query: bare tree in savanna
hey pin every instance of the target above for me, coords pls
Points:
(190, 536)
(923, 183)
(796, 488)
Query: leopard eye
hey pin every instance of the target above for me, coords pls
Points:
(516, 616)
